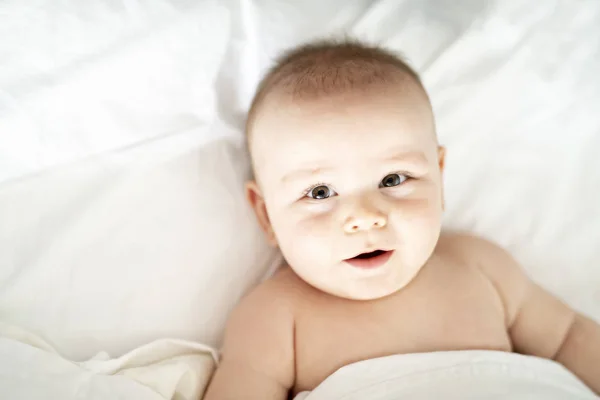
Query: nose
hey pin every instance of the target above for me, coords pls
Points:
(365, 220)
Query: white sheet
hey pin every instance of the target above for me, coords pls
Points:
(122, 218)
(166, 369)
(452, 375)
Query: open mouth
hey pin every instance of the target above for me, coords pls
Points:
(369, 260)
(372, 254)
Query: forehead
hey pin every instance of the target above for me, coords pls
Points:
(347, 126)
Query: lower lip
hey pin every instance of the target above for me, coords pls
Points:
(370, 263)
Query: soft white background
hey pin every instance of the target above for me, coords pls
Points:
(122, 217)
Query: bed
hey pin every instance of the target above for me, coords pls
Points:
(125, 239)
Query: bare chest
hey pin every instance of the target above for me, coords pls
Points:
(436, 312)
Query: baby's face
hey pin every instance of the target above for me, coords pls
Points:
(349, 176)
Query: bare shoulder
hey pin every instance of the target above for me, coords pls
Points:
(469, 247)
(494, 262)
(267, 310)
(260, 332)
(275, 293)
(476, 251)
(258, 348)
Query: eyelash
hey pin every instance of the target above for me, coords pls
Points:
(406, 174)
(306, 191)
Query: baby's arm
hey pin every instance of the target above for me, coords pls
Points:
(258, 352)
(538, 323)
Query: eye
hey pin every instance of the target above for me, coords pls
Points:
(392, 180)
(320, 192)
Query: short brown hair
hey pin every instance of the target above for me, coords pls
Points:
(328, 67)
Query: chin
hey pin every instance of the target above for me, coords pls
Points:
(367, 284)
(355, 292)
(372, 295)
(371, 292)
(387, 286)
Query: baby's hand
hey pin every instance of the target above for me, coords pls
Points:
(538, 323)
(258, 352)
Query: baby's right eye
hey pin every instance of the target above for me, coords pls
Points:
(320, 192)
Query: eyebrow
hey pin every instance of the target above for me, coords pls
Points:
(415, 159)
(304, 173)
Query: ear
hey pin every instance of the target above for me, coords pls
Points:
(441, 157)
(441, 163)
(257, 203)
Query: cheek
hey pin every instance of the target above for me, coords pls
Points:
(320, 225)
(420, 212)
(418, 224)
(309, 219)
(304, 235)
(419, 209)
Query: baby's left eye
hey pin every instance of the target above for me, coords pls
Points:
(391, 180)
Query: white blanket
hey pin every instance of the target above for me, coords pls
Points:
(451, 375)
(30, 369)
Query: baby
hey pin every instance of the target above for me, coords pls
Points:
(349, 186)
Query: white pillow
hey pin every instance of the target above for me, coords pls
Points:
(119, 224)
(111, 253)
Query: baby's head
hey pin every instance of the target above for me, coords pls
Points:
(346, 162)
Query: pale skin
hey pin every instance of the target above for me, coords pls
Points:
(437, 291)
